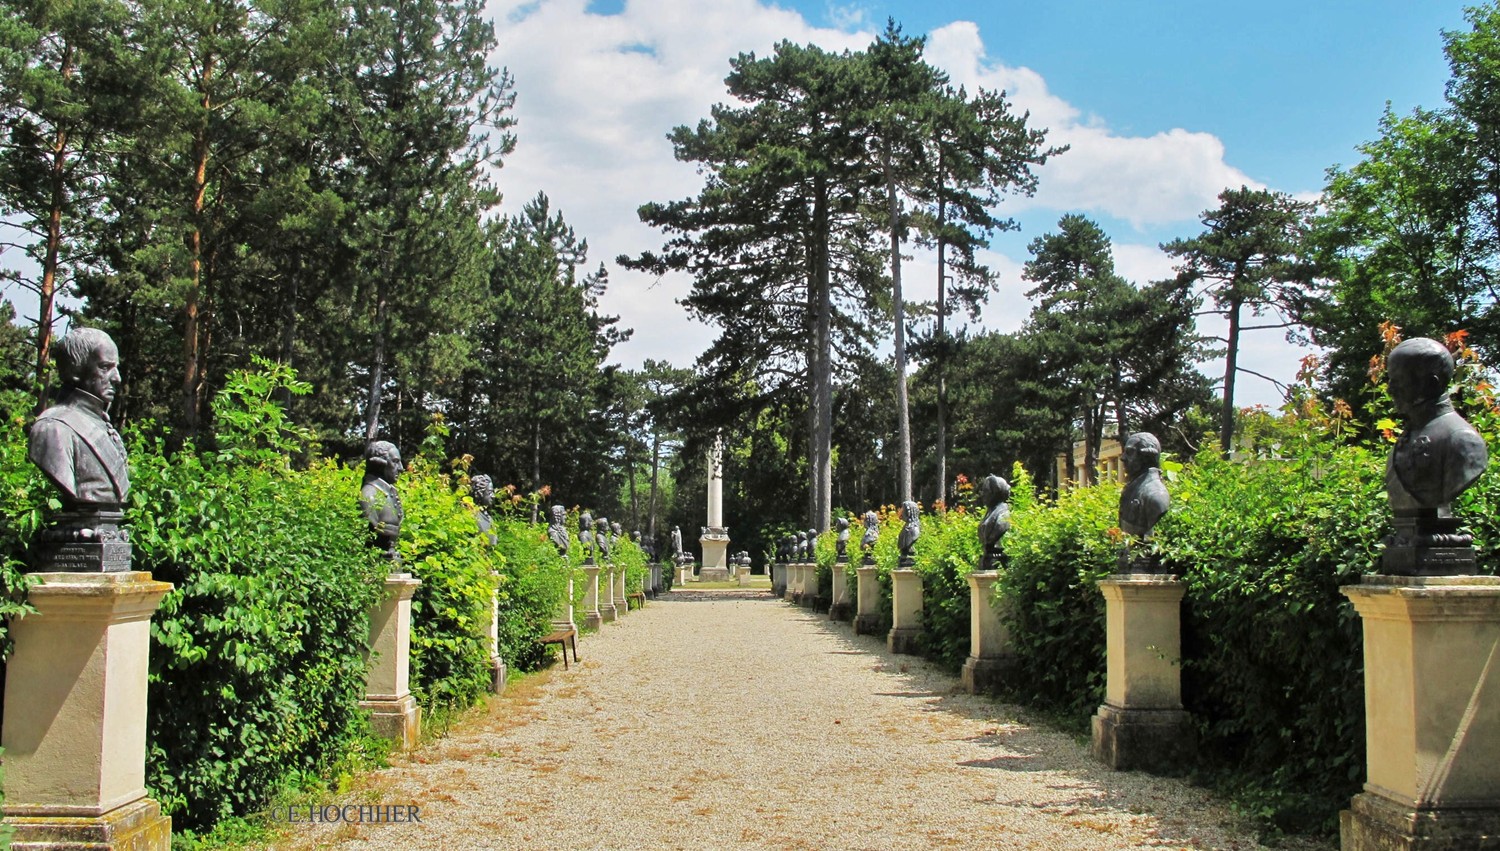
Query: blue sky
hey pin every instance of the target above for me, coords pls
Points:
(1165, 105)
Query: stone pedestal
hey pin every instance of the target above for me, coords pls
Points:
(778, 578)
(607, 593)
(715, 544)
(906, 612)
(793, 590)
(75, 715)
(867, 600)
(990, 656)
(744, 576)
(394, 713)
(684, 573)
(838, 602)
(809, 596)
(497, 665)
(622, 602)
(1141, 724)
(655, 580)
(593, 618)
(1432, 715)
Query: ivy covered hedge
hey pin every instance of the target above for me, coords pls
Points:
(258, 652)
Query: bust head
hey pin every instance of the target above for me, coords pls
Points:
(994, 490)
(88, 360)
(872, 520)
(842, 524)
(483, 491)
(1418, 372)
(383, 461)
(909, 510)
(559, 515)
(1142, 452)
(616, 529)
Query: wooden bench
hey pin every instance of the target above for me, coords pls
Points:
(562, 637)
(639, 597)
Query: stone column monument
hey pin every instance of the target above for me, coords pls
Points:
(75, 686)
(990, 656)
(715, 538)
(906, 587)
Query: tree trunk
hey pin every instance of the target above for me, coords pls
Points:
(655, 469)
(47, 294)
(1231, 366)
(822, 368)
(903, 414)
(1090, 444)
(377, 359)
(942, 353)
(192, 354)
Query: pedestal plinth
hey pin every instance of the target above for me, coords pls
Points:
(793, 592)
(592, 617)
(497, 664)
(990, 656)
(744, 576)
(1432, 715)
(838, 602)
(906, 611)
(715, 544)
(394, 713)
(809, 596)
(622, 602)
(778, 579)
(867, 599)
(684, 573)
(1141, 724)
(75, 715)
(607, 592)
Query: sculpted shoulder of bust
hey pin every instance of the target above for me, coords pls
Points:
(1439, 455)
(1144, 500)
(73, 442)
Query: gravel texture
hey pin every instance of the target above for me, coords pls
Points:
(732, 720)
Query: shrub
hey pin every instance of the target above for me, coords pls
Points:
(257, 653)
(1057, 553)
(945, 554)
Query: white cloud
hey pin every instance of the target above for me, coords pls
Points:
(1145, 180)
(596, 95)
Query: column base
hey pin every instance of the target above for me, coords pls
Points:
(137, 826)
(903, 639)
(497, 675)
(744, 577)
(1159, 741)
(983, 675)
(840, 611)
(709, 573)
(622, 607)
(399, 720)
(1376, 823)
(867, 624)
(607, 613)
(593, 620)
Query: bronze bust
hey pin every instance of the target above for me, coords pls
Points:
(482, 490)
(378, 497)
(995, 492)
(73, 442)
(1438, 456)
(1144, 500)
(77, 448)
(910, 532)
(872, 534)
(557, 532)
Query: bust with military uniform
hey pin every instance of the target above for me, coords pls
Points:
(77, 448)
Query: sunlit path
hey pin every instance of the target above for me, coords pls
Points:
(729, 719)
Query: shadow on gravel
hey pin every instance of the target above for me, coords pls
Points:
(1026, 743)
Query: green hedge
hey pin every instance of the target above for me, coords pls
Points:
(257, 657)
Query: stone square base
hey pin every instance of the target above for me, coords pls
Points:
(137, 826)
(840, 611)
(984, 675)
(399, 720)
(903, 640)
(593, 620)
(709, 573)
(1376, 823)
(497, 675)
(744, 577)
(1159, 741)
(868, 624)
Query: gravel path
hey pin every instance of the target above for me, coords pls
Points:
(732, 720)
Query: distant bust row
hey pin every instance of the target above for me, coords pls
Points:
(1438, 456)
